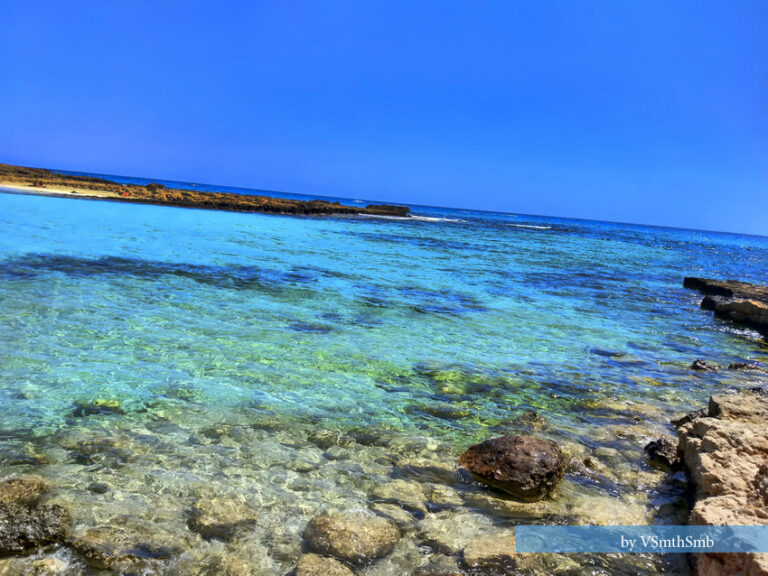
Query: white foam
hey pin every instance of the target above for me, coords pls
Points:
(531, 226)
(436, 219)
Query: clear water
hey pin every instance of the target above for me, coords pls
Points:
(294, 365)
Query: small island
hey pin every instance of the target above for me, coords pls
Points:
(48, 182)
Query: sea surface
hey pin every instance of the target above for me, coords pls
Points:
(279, 366)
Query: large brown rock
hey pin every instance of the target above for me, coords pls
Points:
(528, 468)
(357, 536)
(725, 452)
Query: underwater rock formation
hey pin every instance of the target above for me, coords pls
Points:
(725, 452)
(528, 468)
(741, 302)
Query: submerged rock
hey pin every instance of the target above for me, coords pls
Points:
(24, 528)
(97, 406)
(220, 518)
(663, 451)
(98, 487)
(22, 489)
(528, 468)
(316, 565)
(743, 366)
(358, 536)
(110, 548)
(494, 551)
(725, 453)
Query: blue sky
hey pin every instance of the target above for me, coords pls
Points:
(652, 112)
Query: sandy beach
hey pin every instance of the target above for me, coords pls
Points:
(13, 188)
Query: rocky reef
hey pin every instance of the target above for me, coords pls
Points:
(153, 193)
(725, 453)
(740, 302)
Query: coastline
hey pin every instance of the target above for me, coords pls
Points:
(43, 182)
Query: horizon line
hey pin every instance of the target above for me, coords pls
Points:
(660, 227)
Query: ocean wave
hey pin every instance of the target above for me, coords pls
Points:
(531, 226)
(419, 218)
(384, 217)
(436, 219)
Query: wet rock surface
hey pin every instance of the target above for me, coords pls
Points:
(356, 536)
(526, 467)
(740, 302)
(725, 452)
(703, 366)
(663, 452)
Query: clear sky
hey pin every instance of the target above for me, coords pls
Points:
(652, 112)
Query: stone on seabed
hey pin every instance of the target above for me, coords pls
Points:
(357, 536)
(316, 565)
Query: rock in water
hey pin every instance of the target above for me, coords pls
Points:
(316, 565)
(743, 366)
(740, 302)
(220, 518)
(22, 489)
(491, 551)
(358, 536)
(24, 528)
(703, 366)
(663, 451)
(528, 468)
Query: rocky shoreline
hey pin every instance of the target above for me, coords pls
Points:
(724, 449)
(741, 302)
(40, 180)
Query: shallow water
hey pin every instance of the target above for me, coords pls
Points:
(293, 365)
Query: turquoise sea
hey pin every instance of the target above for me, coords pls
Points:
(281, 366)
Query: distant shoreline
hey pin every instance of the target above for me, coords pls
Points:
(43, 182)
